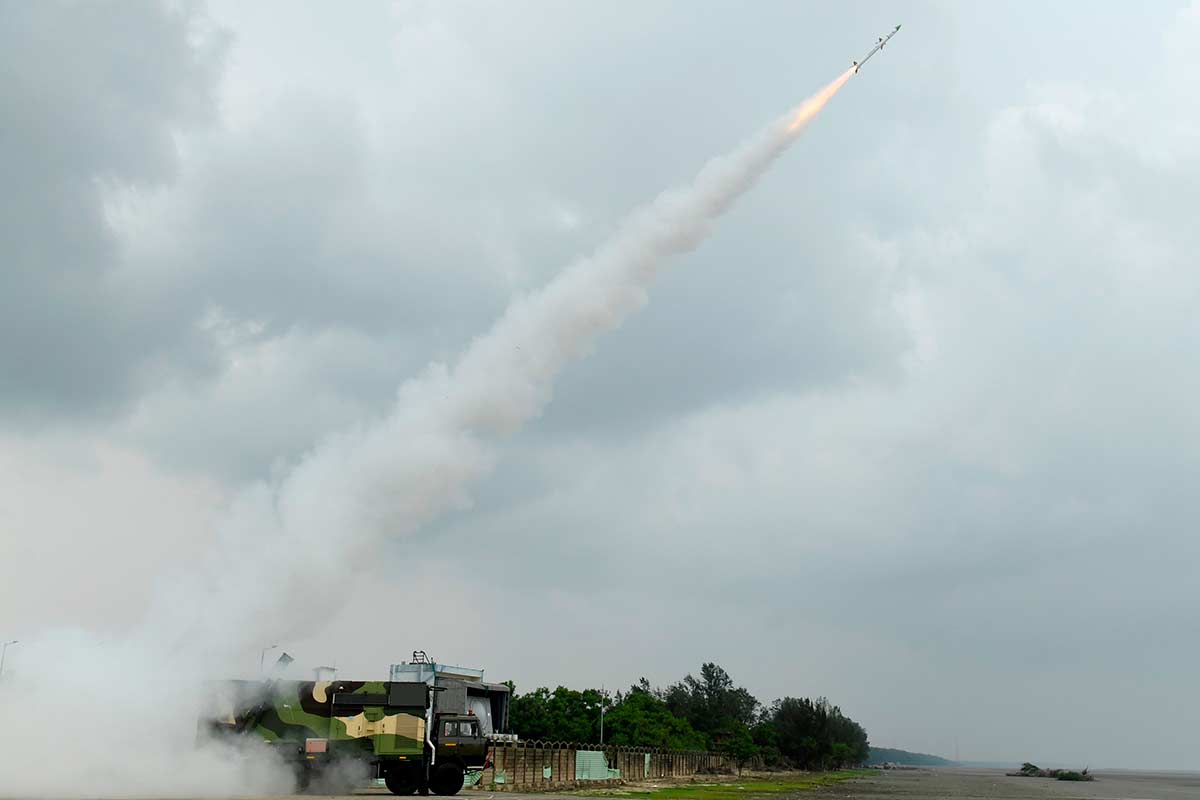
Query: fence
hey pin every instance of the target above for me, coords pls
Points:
(537, 764)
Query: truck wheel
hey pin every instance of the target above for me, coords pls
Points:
(304, 779)
(401, 781)
(446, 779)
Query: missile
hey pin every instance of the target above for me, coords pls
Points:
(878, 46)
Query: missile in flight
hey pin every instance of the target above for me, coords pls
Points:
(878, 46)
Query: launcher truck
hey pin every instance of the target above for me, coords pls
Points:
(394, 728)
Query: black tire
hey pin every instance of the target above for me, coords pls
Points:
(401, 781)
(446, 779)
(304, 779)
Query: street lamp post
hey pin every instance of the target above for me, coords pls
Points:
(262, 656)
(4, 652)
(603, 696)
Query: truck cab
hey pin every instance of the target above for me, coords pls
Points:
(459, 746)
(460, 740)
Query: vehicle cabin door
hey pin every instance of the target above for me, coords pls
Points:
(460, 740)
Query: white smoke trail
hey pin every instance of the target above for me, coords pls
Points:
(388, 478)
(279, 547)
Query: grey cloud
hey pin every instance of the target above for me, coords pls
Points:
(1008, 523)
(413, 226)
(920, 416)
(94, 93)
(292, 223)
(745, 317)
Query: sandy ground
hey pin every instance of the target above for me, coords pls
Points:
(972, 784)
(988, 784)
(942, 784)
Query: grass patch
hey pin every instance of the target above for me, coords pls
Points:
(734, 790)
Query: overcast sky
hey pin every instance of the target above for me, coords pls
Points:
(917, 429)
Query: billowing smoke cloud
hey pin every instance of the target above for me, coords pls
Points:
(86, 716)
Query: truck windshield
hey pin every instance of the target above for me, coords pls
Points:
(468, 728)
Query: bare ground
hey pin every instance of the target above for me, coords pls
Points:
(995, 785)
(940, 784)
(969, 784)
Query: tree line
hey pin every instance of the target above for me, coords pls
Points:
(697, 713)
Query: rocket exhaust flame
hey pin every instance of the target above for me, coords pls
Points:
(813, 105)
(279, 560)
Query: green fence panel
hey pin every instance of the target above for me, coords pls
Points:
(591, 765)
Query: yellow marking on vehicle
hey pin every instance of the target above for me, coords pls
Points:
(406, 725)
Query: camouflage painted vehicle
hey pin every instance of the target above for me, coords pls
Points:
(391, 727)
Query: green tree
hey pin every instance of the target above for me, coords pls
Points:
(565, 715)
(640, 719)
(813, 734)
(766, 738)
(708, 712)
(711, 703)
(739, 745)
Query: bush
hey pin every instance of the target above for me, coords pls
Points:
(1071, 775)
(1029, 770)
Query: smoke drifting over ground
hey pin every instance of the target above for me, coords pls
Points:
(103, 717)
